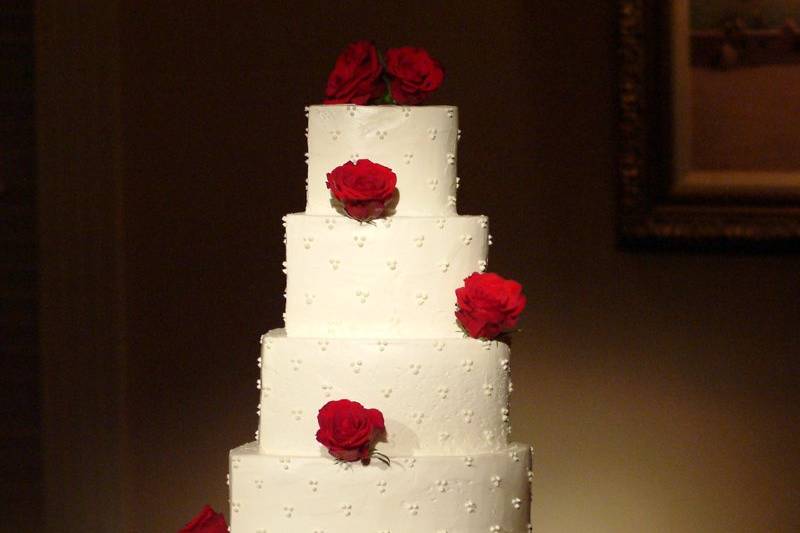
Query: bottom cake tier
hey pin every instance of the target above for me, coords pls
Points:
(486, 493)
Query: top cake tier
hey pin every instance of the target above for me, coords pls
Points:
(417, 143)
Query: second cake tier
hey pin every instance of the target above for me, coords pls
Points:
(445, 396)
(394, 277)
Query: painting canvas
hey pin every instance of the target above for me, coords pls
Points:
(738, 81)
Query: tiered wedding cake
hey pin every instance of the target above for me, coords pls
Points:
(370, 317)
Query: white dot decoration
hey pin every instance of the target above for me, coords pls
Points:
(451, 200)
(297, 414)
(347, 509)
(488, 389)
(482, 265)
(356, 366)
(458, 134)
(288, 511)
(381, 134)
(483, 221)
(382, 345)
(335, 134)
(432, 133)
(381, 486)
(422, 297)
(439, 345)
(514, 455)
(407, 158)
(505, 364)
(444, 266)
(433, 183)
(285, 462)
(450, 112)
(440, 222)
(468, 461)
(362, 295)
(467, 365)
(392, 264)
(307, 242)
(494, 529)
(415, 368)
(441, 485)
(386, 392)
(295, 364)
(412, 508)
(451, 159)
(488, 435)
(418, 417)
(354, 157)
(326, 390)
(467, 414)
(323, 344)
(411, 462)
(496, 480)
(306, 160)
(351, 110)
(504, 414)
(466, 239)
(235, 506)
(406, 111)
(470, 506)
(419, 240)
(516, 503)
(313, 485)
(310, 298)
(442, 391)
(330, 223)
(443, 436)
(360, 240)
(530, 476)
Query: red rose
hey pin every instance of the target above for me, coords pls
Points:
(489, 304)
(364, 188)
(414, 74)
(206, 522)
(349, 430)
(356, 77)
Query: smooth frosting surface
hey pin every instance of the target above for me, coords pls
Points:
(446, 396)
(395, 277)
(487, 493)
(417, 142)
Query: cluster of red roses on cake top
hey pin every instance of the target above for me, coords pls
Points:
(406, 75)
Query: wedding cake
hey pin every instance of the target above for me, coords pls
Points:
(384, 399)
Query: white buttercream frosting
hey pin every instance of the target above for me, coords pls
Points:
(391, 278)
(370, 317)
(480, 493)
(439, 396)
(417, 143)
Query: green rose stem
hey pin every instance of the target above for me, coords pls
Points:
(387, 98)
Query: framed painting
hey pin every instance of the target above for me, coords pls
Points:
(709, 124)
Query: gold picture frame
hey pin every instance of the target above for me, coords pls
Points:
(662, 202)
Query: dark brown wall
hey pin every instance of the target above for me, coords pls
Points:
(660, 391)
(20, 467)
